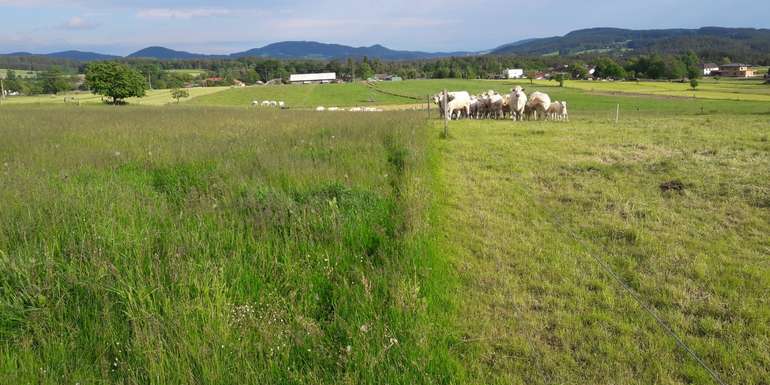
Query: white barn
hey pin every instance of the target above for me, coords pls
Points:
(322, 78)
(513, 73)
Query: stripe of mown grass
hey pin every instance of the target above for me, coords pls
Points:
(192, 245)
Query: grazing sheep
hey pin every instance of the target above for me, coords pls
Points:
(282, 105)
(539, 103)
(356, 109)
(255, 103)
(558, 111)
(320, 109)
(458, 103)
(266, 103)
(518, 103)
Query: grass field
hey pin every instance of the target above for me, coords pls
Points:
(19, 73)
(194, 73)
(725, 89)
(186, 244)
(207, 243)
(533, 212)
(304, 96)
(153, 97)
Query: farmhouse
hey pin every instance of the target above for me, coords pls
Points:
(736, 70)
(514, 73)
(322, 78)
(709, 69)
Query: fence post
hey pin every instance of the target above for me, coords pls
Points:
(445, 99)
(428, 107)
(617, 114)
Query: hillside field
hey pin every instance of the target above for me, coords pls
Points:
(211, 242)
(19, 73)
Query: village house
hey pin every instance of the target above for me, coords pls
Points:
(736, 70)
(709, 69)
(513, 73)
(321, 78)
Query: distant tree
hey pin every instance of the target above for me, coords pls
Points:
(531, 75)
(609, 69)
(560, 77)
(115, 80)
(675, 69)
(579, 71)
(365, 70)
(179, 93)
(692, 63)
(725, 60)
(54, 81)
(694, 84)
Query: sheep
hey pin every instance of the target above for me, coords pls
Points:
(255, 103)
(457, 102)
(518, 103)
(320, 109)
(266, 103)
(539, 103)
(282, 105)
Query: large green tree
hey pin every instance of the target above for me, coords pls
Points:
(115, 80)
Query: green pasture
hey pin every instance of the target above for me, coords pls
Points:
(152, 98)
(191, 72)
(19, 73)
(212, 242)
(304, 96)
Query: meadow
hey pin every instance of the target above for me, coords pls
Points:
(215, 243)
(192, 245)
(152, 98)
(19, 73)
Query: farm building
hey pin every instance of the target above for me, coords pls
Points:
(514, 73)
(322, 78)
(736, 70)
(709, 69)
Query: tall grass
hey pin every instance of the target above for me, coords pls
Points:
(217, 246)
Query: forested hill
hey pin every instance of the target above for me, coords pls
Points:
(707, 41)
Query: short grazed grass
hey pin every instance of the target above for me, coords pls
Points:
(530, 206)
(192, 245)
(304, 96)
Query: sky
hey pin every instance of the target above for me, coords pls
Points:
(227, 26)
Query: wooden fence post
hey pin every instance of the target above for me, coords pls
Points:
(617, 114)
(447, 116)
(428, 107)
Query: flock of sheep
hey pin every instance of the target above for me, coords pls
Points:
(353, 109)
(488, 105)
(282, 105)
(269, 103)
(492, 105)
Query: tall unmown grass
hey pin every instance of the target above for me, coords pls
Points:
(180, 245)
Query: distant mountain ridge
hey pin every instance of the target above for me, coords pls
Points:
(742, 40)
(69, 55)
(707, 41)
(281, 50)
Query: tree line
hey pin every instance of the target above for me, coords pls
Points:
(157, 74)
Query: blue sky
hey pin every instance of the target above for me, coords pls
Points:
(208, 26)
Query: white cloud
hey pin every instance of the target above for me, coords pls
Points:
(79, 23)
(169, 13)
